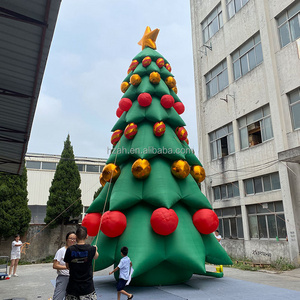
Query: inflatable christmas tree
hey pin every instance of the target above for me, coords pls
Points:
(151, 201)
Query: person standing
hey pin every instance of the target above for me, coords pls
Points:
(218, 236)
(62, 271)
(15, 255)
(124, 267)
(78, 259)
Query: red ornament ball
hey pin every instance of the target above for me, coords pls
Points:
(113, 223)
(159, 128)
(167, 101)
(160, 62)
(119, 112)
(115, 137)
(133, 65)
(205, 220)
(130, 131)
(181, 133)
(168, 67)
(144, 99)
(125, 104)
(146, 61)
(179, 107)
(92, 222)
(164, 221)
(187, 140)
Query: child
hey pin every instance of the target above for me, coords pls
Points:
(124, 267)
(78, 259)
(15, 255)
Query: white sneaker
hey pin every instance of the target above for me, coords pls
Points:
(15, 275)
(9, 276)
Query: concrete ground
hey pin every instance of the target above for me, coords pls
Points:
(36, 282)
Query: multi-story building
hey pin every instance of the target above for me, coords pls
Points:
(40, 172)
(247, 77)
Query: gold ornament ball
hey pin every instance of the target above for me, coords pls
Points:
(175, 89)
(124, 86)
(135, 79)
(154, 78)
(102, 181)
(170, 82)
(111, 171)
(141, 168)
(198, 173)
(180, 169)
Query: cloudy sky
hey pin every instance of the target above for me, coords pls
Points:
(93, 45)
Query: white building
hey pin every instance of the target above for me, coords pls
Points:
(247, 76)
(40, 172)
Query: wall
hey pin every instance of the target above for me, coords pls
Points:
(43, 242)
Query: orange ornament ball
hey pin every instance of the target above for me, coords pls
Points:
(146, 61)
(179, 107)
(170, 82)
(160, 62)
(187, 141)
(159, 128)
(135, 79)
(167, 101)
(180, 169)
(124, 86)
(168, 67)
(111, 172)
(141, 168)
(175, 89)
(154, 78)
(198, 173)
(113, 223)
(130, 131)
(119, 112)
(181, 133)
(91, 222)
(115, 137)
(102, 181)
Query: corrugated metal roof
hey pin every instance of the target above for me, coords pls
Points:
(26, 31)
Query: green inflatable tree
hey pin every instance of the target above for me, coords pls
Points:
(151, 201)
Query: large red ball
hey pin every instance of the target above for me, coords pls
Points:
(113, 223)
(125, 104)
(119, 112)
(92, 222)
(167, 101)
(164, 221)
(205, 220)
(144, 99)
(179, 107)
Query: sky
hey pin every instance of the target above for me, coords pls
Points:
(93, 45)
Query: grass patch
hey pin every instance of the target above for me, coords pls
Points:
(282, 264)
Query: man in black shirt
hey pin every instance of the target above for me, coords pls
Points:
(78, 259)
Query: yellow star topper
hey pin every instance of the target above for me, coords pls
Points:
(149, 38)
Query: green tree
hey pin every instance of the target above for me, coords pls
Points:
(135, 204)
(65, 195)
(96, 194)
(14, 212)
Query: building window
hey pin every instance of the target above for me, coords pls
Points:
(288, 24)
(247, 57)
(212, 23)
(233, 6)
(217, 79)
(266, 220)
(256, 127)
(38, 214)
(294, 100)
(230, 222)
(226, 191)
(81, 167)
(92, 168)
(221, 142)
(33, 165)
(48, 165)
(261, 184)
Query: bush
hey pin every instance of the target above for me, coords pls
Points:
(282, 264)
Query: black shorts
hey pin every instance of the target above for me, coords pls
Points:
(121, 284)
